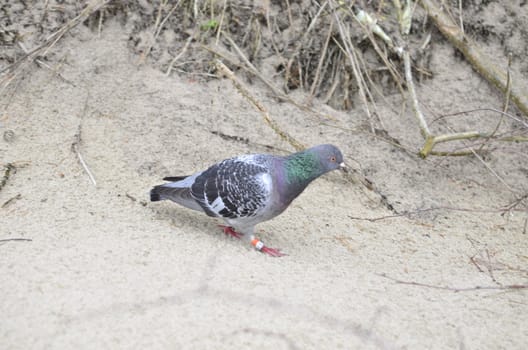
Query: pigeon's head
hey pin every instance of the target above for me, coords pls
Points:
(305, 166)
(329, 156)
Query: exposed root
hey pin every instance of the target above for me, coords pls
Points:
(480, 62)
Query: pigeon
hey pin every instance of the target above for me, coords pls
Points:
(249, 189)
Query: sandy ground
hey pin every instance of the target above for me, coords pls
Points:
(106, 269)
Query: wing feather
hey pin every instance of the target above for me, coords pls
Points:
(232, 189)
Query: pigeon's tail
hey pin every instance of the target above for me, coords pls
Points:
(155, 194)
(162, 192)
(178, 191)
(175, 178)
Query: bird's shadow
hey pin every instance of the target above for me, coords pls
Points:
(181, 217)
(190, 221)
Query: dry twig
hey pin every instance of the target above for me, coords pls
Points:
(7, 173)
(178, 56)
(457, 289)
(408, 213)
(350, 51)
(316, 80)
(15, 240)
(76, 149)
(11, 200)
(76, 146)
(250, 68)
(505, 105)
(508, 115)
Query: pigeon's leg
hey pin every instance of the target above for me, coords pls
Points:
(257, 243)
(228, 230)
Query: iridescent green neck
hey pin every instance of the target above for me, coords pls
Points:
(302, 167)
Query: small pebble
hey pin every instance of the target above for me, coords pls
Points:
(9, 135)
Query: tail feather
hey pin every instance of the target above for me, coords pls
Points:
(154, 195)
(175, 178)
(180, 195)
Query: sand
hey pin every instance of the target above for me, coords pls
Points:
(104, 268)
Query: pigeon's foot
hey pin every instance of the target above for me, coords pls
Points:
(272, 252)
(228, 230)
(257, 243)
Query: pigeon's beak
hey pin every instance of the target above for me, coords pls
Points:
(342, 166)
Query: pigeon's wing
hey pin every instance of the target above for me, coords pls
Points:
(235, 188)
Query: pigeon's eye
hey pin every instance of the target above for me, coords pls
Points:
(333, 159)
